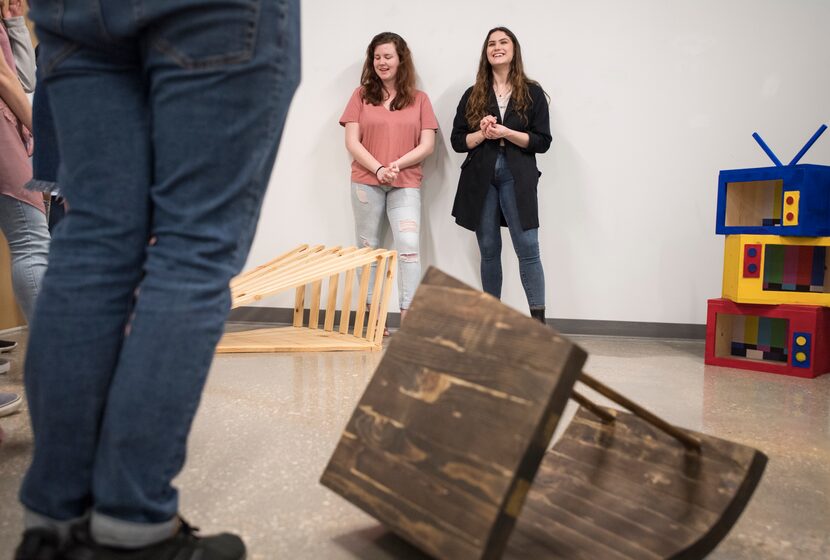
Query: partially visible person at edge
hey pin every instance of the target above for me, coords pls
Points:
(502, 122)
(390, 130)
(22, 213)
(46, 158)
(168, 116)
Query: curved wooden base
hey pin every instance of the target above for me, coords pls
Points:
(626, 490)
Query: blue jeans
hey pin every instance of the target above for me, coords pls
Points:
(45, 159)
(402, 207)
(168, 114)
(27, 232)
(501, 199)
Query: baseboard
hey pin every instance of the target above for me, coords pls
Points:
(565, 326)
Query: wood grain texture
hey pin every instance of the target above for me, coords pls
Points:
(444, 446)
(625, 490)
(452, 427)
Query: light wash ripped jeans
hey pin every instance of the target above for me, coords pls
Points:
(402, 206)
(26, 230)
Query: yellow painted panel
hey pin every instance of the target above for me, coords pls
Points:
(790, 217)
(751, 290)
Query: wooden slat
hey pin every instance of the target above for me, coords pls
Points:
(377, 289)
(314, 308)
(331, 303)
(299, 306)
(346, 310)
(384, 302)
(261, 269)
(262, 283)
(317, 269)
(247, 281)
(360, 314)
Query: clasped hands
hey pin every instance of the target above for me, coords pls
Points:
(12, 8)
(388, 173)
(491, 129)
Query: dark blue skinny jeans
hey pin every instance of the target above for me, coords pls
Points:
(501, 199)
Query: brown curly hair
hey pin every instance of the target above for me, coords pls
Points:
(372, 86)
(477, 102)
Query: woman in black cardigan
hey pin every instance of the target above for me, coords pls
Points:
(502, 122)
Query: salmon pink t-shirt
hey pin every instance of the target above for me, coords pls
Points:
(15, 144)
(388, 135)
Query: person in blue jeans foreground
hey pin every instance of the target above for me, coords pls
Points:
(502, 122)
(168, 116)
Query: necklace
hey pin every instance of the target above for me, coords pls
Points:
(503, 100)
(504, 93)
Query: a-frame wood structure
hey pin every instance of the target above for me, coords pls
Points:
(314, 273)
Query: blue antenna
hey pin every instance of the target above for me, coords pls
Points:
(809, 144)
(766, 149)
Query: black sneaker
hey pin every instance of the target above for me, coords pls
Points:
(7, 345)
(184, 545)
(39, 544)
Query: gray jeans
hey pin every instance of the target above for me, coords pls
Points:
(402, 207)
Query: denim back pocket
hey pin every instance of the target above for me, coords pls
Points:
(214, 36)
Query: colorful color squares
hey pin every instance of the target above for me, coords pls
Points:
(759, 338)
(793, 268)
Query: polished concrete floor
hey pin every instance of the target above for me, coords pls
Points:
(268, 423)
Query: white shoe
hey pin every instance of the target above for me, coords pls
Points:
(9, 403)
(5, 366)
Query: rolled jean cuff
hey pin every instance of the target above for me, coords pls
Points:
(34, 520)
(109, 531)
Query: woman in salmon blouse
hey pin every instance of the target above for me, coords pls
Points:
(22, 212)
(390, 129)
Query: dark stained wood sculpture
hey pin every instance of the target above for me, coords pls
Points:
(627, 490)
(444, 445)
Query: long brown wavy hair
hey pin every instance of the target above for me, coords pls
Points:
(477, 102)
(372, 85)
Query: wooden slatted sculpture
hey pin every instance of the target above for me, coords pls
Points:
(445, 443)
(305, 270)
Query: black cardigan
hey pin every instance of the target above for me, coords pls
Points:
(479, 166)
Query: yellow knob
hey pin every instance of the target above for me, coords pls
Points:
(801, 357)
(800, 340)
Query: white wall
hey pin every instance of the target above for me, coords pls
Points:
(649, 100)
